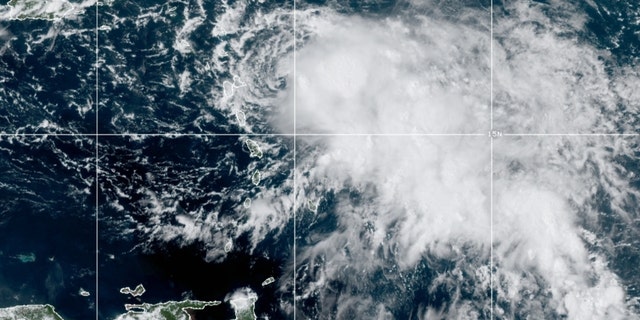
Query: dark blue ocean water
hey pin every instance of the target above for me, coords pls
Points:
(176, 270)
(139, 45)
(50, 80)
(47, 189)
(48, 209)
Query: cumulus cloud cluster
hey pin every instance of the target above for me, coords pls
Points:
(430, 196)
(362, 76)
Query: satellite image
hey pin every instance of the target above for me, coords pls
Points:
(319, 159)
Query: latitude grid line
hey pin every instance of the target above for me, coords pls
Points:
(175, 135)
(97, 134)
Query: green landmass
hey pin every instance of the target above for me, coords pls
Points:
(255, 178)
(138, 291)
(172, 310)
(312, 206)
(30, 312)
(254, 149)
(244, 308)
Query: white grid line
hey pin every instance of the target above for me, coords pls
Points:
(571, 134)
(491, 160)
(173, 135)
(97, 135)
(491, 232)
(295, 188)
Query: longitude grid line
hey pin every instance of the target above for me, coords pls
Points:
(97, 229)
(491, 161)
(295, 189)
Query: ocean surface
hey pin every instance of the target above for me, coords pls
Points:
(418, 159)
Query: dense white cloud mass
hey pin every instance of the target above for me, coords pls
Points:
(362, 76)
(543, 190)
(424, 190)
(400, 200)
(44, 10)
(549, 81)
(396, 199)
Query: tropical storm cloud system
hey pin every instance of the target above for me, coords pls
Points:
(319, 159)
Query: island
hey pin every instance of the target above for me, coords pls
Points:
(228, 88)
(241, 118)
(244, 308)
(138, 291)
(31, 312)
(26, 258)
(254, 149)
(255, 178)
(268, 281)
(228, 246)
(238, 83)
(172, 310)
(312, 206)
